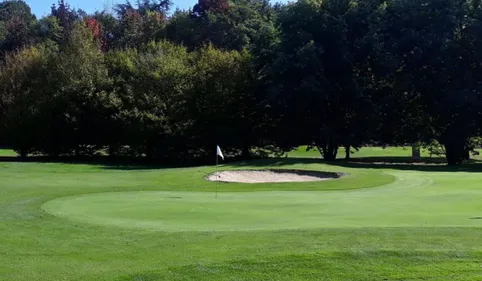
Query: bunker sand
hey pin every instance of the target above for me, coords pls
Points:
(266, 176)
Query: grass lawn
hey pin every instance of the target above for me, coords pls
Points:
(7, 153)
(94, 222)
(374, 152)
(403, 151)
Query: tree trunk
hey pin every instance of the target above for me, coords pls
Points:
(456, 152)
(329, 150)
(246, 152)
(112, 150)
(347, 152)
(415, 152)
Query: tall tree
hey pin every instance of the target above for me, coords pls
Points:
(66, 17)
(141, 24)
(151, 85)
(17, 25)
(433, 52)
(204, 6)
(321, 78)
(109, 25)
(23, 77)
(223, 104)
(144, 6)
(241, 24)
(79, 78)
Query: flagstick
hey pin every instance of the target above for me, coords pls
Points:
(217, 176)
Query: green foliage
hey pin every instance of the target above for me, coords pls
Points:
(244, 24)
(23, 77)
(78, 81)
(473, 148)
(66, 16)
(175, 104)
(54, 96)
(150, 85)
(434, 64)
(17, 25)
(321, 77)
(140, 25)
(49, 30)
(222, 101)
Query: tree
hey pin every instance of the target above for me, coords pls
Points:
(322, 79)
(150, 84)
(144, 6)
(223, 105)
(435, 69)
(23, 79)
(66, 17)
(204, 6)
(78, 80)
(109, 26)
(239, 25)
(54, 102)
(181, 29)
(143, 24)
(50, 31)
(17, 25)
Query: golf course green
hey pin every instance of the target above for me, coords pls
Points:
(103, 222)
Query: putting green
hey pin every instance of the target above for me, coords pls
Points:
(392, 205)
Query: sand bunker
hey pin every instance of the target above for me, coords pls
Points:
(265, 176)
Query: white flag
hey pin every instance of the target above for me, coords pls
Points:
(218, 152)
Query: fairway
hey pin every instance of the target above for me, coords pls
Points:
(117, 223)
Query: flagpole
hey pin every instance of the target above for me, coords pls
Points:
(217, 175)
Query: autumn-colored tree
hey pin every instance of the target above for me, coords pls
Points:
(96, 27)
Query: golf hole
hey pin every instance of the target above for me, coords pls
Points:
(272, 176)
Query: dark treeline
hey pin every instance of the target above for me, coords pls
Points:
(249, 75)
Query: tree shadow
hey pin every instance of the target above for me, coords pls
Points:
(125, 163)
(132, 164)
(407, 164)
(103, 162)
(428, 164)
(275, 162)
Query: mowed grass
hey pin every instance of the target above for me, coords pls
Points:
(7, 153)
(373, 152)
(402, 151)
(94, 222)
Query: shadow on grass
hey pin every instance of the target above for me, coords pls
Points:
(129, 163)
(433, 164)
(472, 167)
(108, 163)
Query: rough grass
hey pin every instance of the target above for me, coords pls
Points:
(423, 226)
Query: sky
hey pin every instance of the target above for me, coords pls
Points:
(42, 7)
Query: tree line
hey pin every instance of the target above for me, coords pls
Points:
(141, 80)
